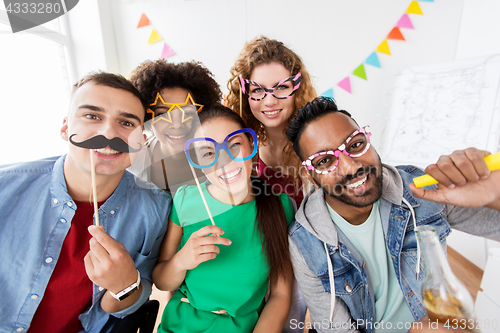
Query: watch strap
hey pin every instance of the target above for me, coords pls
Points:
(129, 290)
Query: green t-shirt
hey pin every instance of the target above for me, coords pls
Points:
(235, 281)
(368, 239)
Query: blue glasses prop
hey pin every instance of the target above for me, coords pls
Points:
(204, 152)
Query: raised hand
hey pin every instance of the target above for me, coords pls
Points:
(464, 180)
(108, 264)
(201, 247)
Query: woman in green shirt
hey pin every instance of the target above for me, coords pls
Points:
(222, 272)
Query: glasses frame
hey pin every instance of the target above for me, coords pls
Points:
(223, 145)
(172, 106)
(341, 149)
(295, 78)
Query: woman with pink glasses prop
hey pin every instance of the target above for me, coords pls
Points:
(268, 84)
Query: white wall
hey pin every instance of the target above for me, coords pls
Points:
(478, 35)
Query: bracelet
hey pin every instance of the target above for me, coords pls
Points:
(129, 290)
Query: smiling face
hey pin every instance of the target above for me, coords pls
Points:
(102, 110)
(174, 134)
(270, 111)
(226, 175)
(357, 181)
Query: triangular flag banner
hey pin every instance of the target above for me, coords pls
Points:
(384, 48)
(328, 93)
(144, 21)
(373, 60)
(360, 72)
(404, 22)
(155, 37)
(345, 84)
(167, 52)
(414, 8)
(395, 34)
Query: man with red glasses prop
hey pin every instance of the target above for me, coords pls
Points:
(59, 272)
(353, 243)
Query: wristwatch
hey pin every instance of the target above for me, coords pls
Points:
(129, 290)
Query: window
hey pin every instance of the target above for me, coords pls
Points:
(35, 91)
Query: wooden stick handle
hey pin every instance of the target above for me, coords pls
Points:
(201, 193)
(94, 189)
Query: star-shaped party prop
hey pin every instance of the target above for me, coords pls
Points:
(172, 106)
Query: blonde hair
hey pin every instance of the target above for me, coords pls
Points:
(262, 50)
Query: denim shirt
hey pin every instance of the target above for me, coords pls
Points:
(35, 216)
(352, 284)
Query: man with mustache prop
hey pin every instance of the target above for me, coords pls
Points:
(59, 271)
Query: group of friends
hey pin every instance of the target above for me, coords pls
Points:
(247, 208)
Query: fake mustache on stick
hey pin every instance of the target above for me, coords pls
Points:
(100, 141)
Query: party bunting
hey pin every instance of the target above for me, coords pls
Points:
(167, 52)
(328, 93)
(384, 47)
(373, 60)
(155, 37)
(345, 84)
(360, 72)
(414, 8)
(144, 21)
(395, 34)
(404, 22)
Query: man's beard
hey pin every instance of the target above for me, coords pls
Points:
(362, 200)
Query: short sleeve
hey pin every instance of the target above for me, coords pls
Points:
(288, 207)
(177, 205)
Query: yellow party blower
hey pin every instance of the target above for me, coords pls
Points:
(492, 161)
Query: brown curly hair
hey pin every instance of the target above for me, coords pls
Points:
(263, 50)
(152, 76)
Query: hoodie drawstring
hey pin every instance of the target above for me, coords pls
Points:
(332, 282)
(416, 238)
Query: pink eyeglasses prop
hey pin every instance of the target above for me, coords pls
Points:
(356, 145)
(281, 90)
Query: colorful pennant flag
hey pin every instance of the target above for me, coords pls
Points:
(360, 72)
(144, 21)
(345, 84)
(414, 8)
(155, 37)
(167, 52)
(384, 48)
(328, 93)
(373, 60)
(395, 34)
(404, 22)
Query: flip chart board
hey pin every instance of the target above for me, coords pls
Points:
(443, 107)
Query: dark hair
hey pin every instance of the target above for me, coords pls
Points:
(152, 76)
(110, 80)
(271, 218)
(313, 110)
